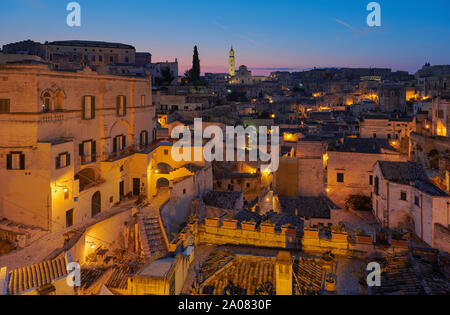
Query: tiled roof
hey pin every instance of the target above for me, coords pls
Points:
(120, 275)
(89, 276)
(402, 172)
(308, 276)
(220, 199)
(310, 207)
(409, 173)
(88, 43)
(244, 275)
(36, 276)
(359, 145)
(408, 275)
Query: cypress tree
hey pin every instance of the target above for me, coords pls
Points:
(195, 74)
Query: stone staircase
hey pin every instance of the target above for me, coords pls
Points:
(152, 237)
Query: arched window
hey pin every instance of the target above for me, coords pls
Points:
(47, 102)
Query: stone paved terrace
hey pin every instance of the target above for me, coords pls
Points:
(50, 243)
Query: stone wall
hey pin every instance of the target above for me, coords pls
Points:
(226, 236)
(441, 238)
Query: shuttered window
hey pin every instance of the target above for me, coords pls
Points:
(4, 106)
(144, 138)
(88, 107)
(63, 160)
(121, 106)
(88, 151)
(119, 143)
(15, 161)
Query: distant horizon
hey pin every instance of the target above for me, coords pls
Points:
(258, 71)
(287, 34)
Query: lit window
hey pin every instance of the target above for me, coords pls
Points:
(142, 100)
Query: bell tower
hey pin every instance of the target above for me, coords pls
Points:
(232, 63)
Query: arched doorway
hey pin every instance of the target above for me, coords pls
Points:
(164, 168)
(162, 183)
(96, 204)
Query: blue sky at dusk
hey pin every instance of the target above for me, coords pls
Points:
(292, 34)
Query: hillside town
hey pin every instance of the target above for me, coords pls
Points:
(93, 200)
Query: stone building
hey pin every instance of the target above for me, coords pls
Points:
(392, 98)
(245, 77)
(26, 47)
(405, 198)
(441, 116)
(350, 167)
(385, 127)
(64, 54)
(157, 69)
(114, 58)
(304, 174)
(72, 143)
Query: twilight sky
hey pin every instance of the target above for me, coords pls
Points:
(266, 35)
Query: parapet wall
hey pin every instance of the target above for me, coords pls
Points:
(339, 243)
(227, 236)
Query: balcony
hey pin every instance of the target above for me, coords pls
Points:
(51, 117)
(115, 156)
(88, 159)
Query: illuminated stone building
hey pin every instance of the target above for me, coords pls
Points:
(403, 197)
(73, 144)
(231, 63)
(441, 116)
(350, 167)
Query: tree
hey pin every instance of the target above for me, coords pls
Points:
(192, 76)
(188, 75)
(195, 66)
(166, 77)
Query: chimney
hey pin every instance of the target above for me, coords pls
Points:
(283, 272)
